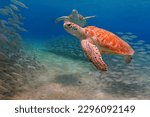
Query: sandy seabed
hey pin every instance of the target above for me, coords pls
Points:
(67, 78)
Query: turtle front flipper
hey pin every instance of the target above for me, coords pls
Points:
(61, 18)
(93, 55)
(88, 17)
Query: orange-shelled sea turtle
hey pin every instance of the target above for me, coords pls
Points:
(96, 41)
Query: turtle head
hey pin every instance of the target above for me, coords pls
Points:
(74, 12)
(74, 29)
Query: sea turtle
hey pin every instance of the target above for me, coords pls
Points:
(96, 41)
(75, 17)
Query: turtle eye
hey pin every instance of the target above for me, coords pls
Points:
(69, 25)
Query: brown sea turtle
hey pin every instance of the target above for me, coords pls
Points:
(75, 17)
(96, 41)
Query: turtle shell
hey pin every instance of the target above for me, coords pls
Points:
(108, 42)
(77, 19)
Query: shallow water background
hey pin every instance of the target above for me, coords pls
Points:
(54, 65)
(70, 75)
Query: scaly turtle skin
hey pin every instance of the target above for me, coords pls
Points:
(75, 17)
(96, 41)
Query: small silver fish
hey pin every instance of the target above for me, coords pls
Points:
(4, 12)
(147, 46)
(126, 37)
(19, 28)
(16, 2)
(133, 36)
(142, 41)
(3, 39)
(129, 33)
(120, 33)
(2, 36)
(3, 23)
(15, 8)
(10, 11)
(14, 21)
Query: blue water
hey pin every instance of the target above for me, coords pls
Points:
(113, 15)
(68, 73)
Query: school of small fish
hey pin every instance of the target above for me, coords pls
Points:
(121, 79)
(18, 68)
(15, 64)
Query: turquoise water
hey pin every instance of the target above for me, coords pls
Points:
(52, 63)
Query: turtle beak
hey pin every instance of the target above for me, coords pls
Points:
(66, 22)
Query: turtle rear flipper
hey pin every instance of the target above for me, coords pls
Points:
(61, 18)
(128, 58)
(93, 55)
